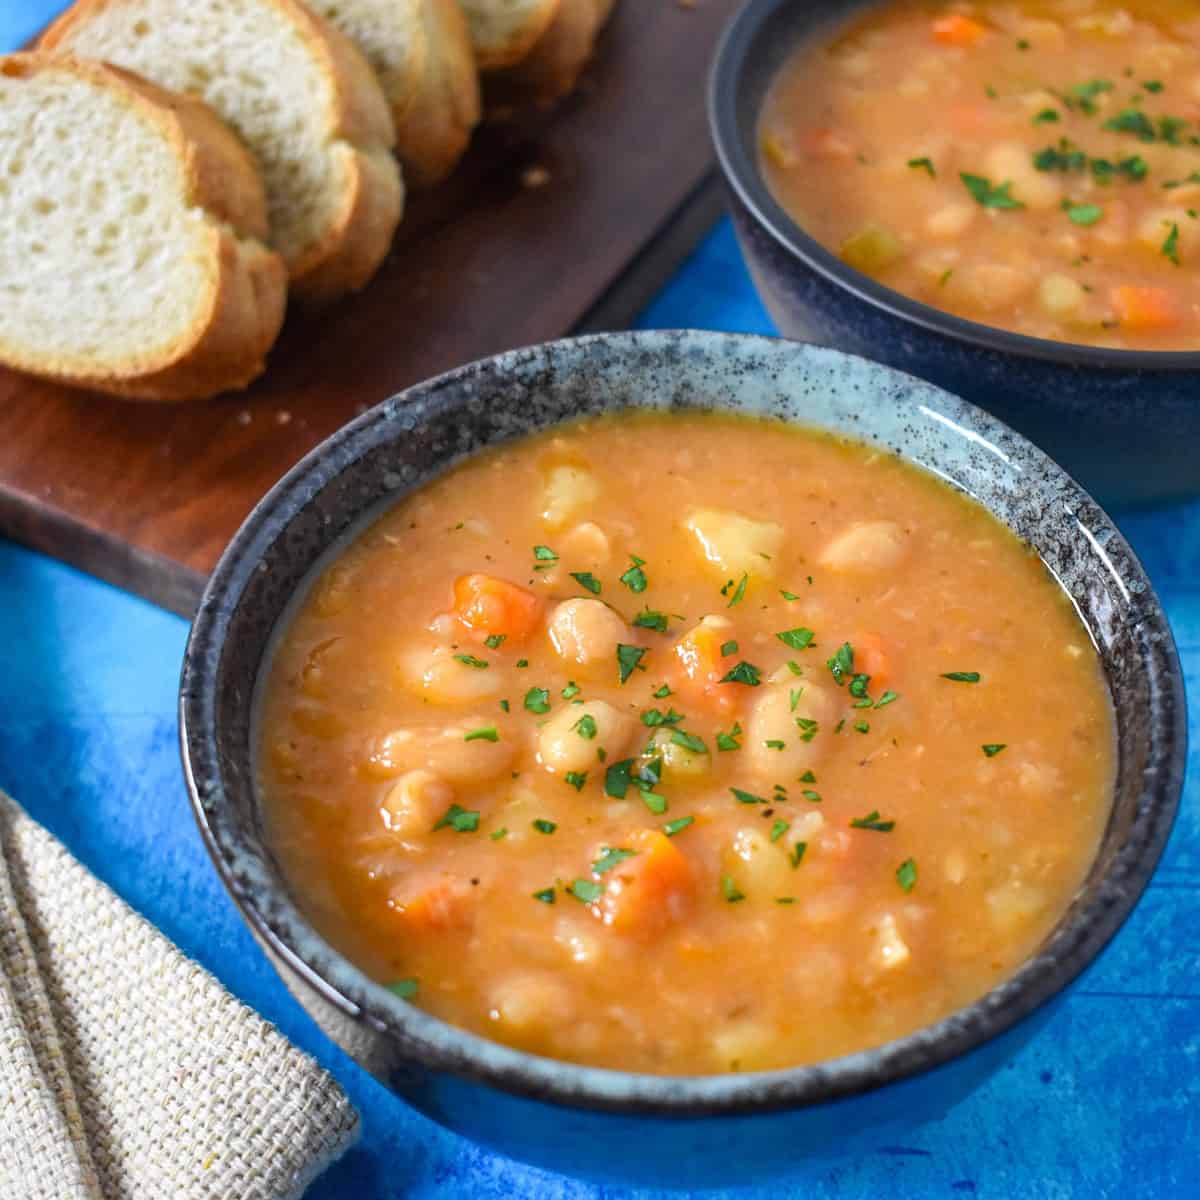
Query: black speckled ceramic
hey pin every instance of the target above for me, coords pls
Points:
(610, 1124)
(1125, 422)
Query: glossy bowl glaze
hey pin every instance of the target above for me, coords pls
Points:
(1124, 422)
(612, 1125)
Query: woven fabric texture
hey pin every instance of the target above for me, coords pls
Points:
(126, 1071)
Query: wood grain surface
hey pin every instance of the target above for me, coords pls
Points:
(553, 222)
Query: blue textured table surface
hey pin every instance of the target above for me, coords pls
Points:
(1104, 1103)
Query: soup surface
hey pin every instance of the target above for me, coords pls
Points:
(1029, 164)
(686, 744)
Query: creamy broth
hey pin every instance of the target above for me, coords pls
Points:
(686, 744)
(1029, 164)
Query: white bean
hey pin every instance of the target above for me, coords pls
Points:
(568, 492)
(414, 802)
(570, 738)
(866, 546)
(736, 543)
(436, 675)
(774, 720)
(587, 632)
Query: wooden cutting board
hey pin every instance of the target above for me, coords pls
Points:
(553, 223)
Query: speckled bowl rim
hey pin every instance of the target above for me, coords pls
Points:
(429, 1042)
(743, 176)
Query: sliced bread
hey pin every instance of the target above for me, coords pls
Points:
(301, 96)
(503, 32)
(130, 220)
(421, 52)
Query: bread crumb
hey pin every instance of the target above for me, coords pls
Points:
(535, 177)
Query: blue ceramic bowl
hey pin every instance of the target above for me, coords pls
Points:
(1125, 422)
(611, 1125)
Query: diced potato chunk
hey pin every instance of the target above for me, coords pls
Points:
(867, 546)
(1159, 224)
(437, 675)
(569, 492)
(526, 1005)
(679, 762)
(951, 220)
(744, 1045)
(587, 543)
(734, 543)
(774, 720)
(570, 739)
(759, 865)
(1060, 296)
(872, 250)
(1011, 162)
(587, 632)
(413, 804)
(1014, 905)
(890, 950)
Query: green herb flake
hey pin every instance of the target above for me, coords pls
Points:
(576, 779)
(1170, 248)
(629, 659)
(522, 662)
(544, 826)
(1082, 214)
(1085, 94)
(797, 855)
(811, 796)
(1066, 156)
(739, 591)
(1194, 177)
(989, 196)
(504, 706)
(488, 733)
(635, 578)
(649, 619)
(773, 744)
(618, 778)
(546, 895)
(586, 891)
(537, 700)
(663, 692)
(571, 690)
(859, 685)
(788, 595)
(945, 278)
(469, 660)
(906, 874)
(671, 828)
(653, 801)
(406, 989)
(888, 697)
(543, 557)
(498, 834)
(747, 797)
(654, 717)
(840, 726)
(808, 777)
(587, 580)
(963, 676)
(585, 726)
(872, 821)
(841, 664)
(794, 695)
(1132, 120)
(729, 890)
(923, 164)
(689, 741)
(728, 741)
(461, 820)
(808, 728)
(612, 857)
(786, 900)
(1022, 43)
(797, 639)
(862, 726)
(494, 640)
(745, 673)
(794, 667)
(728, 648)
(1154, 86)
(778, 829)
(993, 748)
(1048, 116)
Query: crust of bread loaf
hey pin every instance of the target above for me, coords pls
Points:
(225, 348)
(360, 128)
(511, 51)
(435, 119)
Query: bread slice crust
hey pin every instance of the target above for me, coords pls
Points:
(238, 317)
(499, 43)
(357, 134)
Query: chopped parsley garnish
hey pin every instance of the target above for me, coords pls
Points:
(728, 648)
(993, 748)
(654, 717)
(649, 619)
(810, 795)
(537, 700)
(738, 592)
(522, 662)
(923, 164)
(963, 676)
(635, 578)
(808, 728)
(1082, 214)
(1170, 247)
(406, 989)
(587, 891)
(1194, 177)
(585, 726)
(842, 663)
(888, 697)
(794, 667)
(773, 744)
(794, 695)
(611, 857)
(744, 672)
(543, 557)
(1066, 156)
(671, 828)
(1022, 43)
(786, 900)
(653, 801)
(729, 890)
(862, 726)
(689, 741)
(544, 826)
(1084, 94)
(546, 895)
(945, 277)
(984, 193)
(1170, 129)
(797, 855)
(906, 874)
(618, 778)
(746, 797)
(504, 706)
(872, 821)
(797, 639)
(808, 777)
(571, 690)
(728, 741)
(1046, 117)
(459, 819)
(469, 660)
(778, 828)
(663, 692)
(1134, 168)
(489, 733)
(498, 834)
(1132, 120)
(1153, 86)
(576, 779)
(859, 685)
(494, 640)
(587, 580)
(788, 595)
(840, 726)
(629, 659)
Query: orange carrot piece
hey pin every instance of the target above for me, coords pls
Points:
(871, 658)
(491, 607)
(1141, 308)
(701, 666)
(649, 890)
(441, 905)
(826, 143)
(954, 29)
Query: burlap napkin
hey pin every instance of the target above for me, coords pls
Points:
(126, 1071)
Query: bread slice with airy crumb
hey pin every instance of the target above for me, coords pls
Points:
(130, 227)
(503, 32)
(421, 52)
(301, 96)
